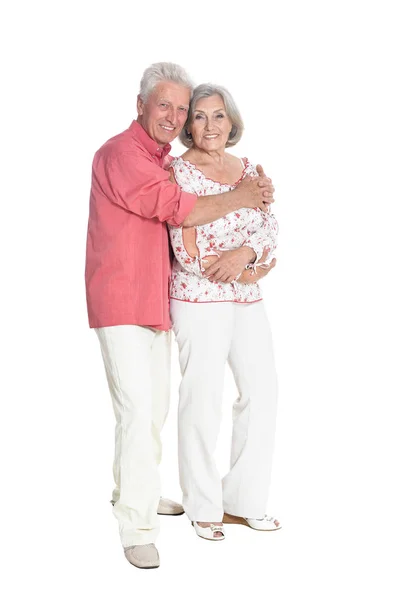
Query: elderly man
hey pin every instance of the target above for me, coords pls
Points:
(127, 278)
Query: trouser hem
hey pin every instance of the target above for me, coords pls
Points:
(138, 539)
(207, 518)
(245, 512)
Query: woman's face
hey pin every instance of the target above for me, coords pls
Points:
(210, 126)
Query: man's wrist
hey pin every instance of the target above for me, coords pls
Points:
(234, 199)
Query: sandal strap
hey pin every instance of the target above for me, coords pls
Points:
(266, 518)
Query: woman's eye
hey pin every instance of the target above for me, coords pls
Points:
(220, 116)
(197, 117)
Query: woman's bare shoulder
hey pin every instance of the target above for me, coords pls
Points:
(187, 155)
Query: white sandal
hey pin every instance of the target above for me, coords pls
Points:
(208, 533)
(265, 524)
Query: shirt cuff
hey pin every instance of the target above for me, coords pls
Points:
(257, 248)
(186, 204)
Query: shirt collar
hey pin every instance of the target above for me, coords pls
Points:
(148, 143)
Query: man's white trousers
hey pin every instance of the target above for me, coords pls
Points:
(208, 336)
(137, 364)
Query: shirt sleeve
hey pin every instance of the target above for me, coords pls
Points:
(261, 239)
(257, 241)
(140, 186)
(189, 263)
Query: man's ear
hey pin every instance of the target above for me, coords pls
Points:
(140, 105)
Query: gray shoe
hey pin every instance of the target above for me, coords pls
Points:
(169, 507)
(144, 557)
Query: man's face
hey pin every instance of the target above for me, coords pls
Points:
(164, 114)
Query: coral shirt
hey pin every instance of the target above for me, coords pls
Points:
(127, 259)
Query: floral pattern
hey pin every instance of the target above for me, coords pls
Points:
(245, 227)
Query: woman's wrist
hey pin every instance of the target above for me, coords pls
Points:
(249, 254)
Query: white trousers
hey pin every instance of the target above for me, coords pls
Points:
(208, 335)
(137, 364)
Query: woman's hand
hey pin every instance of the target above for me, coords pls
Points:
(229, 264)
(249, 276)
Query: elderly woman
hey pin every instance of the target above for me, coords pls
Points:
(218, 316)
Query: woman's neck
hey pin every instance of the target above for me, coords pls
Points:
(214, 157)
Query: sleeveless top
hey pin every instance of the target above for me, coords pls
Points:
(244, 227)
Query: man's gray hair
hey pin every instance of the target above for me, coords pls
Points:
(205, 90)
(163, 71)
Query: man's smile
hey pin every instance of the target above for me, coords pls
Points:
(167, 128)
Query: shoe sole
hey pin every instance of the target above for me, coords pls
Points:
(170, 514)
(138, 567)
(233, 520)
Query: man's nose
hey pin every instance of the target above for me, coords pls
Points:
(172, 115)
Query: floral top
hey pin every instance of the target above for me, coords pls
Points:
(244, 227)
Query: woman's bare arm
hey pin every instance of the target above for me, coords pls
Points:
(189, 235)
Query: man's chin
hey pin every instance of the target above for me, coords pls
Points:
(168, 136)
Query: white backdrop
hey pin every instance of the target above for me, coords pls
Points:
(316, 84)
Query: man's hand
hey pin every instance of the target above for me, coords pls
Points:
(229, 265)
(266, 184)
(255, 192)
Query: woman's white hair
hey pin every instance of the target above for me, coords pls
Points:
(163, 71)
(205, 90)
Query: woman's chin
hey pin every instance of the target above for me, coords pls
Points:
(211, 145)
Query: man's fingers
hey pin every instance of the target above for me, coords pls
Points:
(267, 197)
(263, 182)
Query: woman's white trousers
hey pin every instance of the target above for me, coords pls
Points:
(208, 335)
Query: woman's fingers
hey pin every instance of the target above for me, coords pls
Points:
(268, 268)
(210, 271)
(221, 275)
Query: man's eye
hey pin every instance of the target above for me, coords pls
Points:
(163, 104)
(182, 109)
